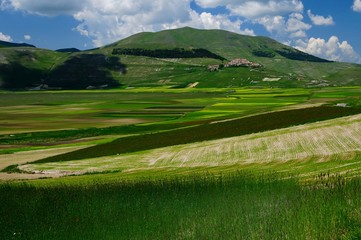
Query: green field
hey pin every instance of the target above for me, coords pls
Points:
(163, 163)
(197, 207)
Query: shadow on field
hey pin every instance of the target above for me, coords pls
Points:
(16, 76)
(82, 71)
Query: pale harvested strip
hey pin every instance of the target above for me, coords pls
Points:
(321, 140)
(30, 156)
(34, 155)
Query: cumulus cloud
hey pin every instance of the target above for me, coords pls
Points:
(27, 37)
(4, 37)
(133, 16)
(245, 8)
(275, 24)
(5, 4)
(356, 5)
(292, 27)
(332, 49)
(255, 8)
(320, 20)
(110, 20)
(45, 7)
(295, 24)
(208, 21)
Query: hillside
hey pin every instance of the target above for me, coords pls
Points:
(173, 58)
(10, 44)
(295, 68)
(227, 44)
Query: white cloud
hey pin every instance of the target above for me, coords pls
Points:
(298, 34)
(248, 31)
(331, 49)
(276, 24)
(356, 5)
(45, 7)
(320, 20)
(4, 37)
(108, 22)
(295, 24)
(213, 3)
(293, 27)
(27, 37)
(208, 21)
(255, 8)
(5, 4)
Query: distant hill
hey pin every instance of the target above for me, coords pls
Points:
(10, 44)
(178, 58)
(292, 67)
(68, 50)
(226, 44)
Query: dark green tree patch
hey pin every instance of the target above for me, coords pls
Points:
(295, 54)
(168, 53)
(68, 50)
(264, 53)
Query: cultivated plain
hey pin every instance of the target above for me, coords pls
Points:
(171, 150)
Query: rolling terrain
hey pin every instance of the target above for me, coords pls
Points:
(179, 134)
(172, 58)
(126, 123)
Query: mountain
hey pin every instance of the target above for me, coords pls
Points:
(68, 50)
(9, 44)
(178, 58)
(292, 67)
(227, 44)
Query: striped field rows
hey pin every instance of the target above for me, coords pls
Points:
(323, 141)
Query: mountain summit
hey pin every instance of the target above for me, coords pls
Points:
(229, 45)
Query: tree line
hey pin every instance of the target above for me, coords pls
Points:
(168, 53)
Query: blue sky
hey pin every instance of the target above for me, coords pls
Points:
(326, 28)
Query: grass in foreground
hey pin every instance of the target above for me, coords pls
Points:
(194, 207)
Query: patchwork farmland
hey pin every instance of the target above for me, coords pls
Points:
(238, 154)
(166, 136)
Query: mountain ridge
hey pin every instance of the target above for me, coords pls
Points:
(132, 62)
(10, 44)
(220, 42)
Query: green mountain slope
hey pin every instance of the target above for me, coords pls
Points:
(278, 60)
(32, 68)
(227, 44)
(173, 58)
